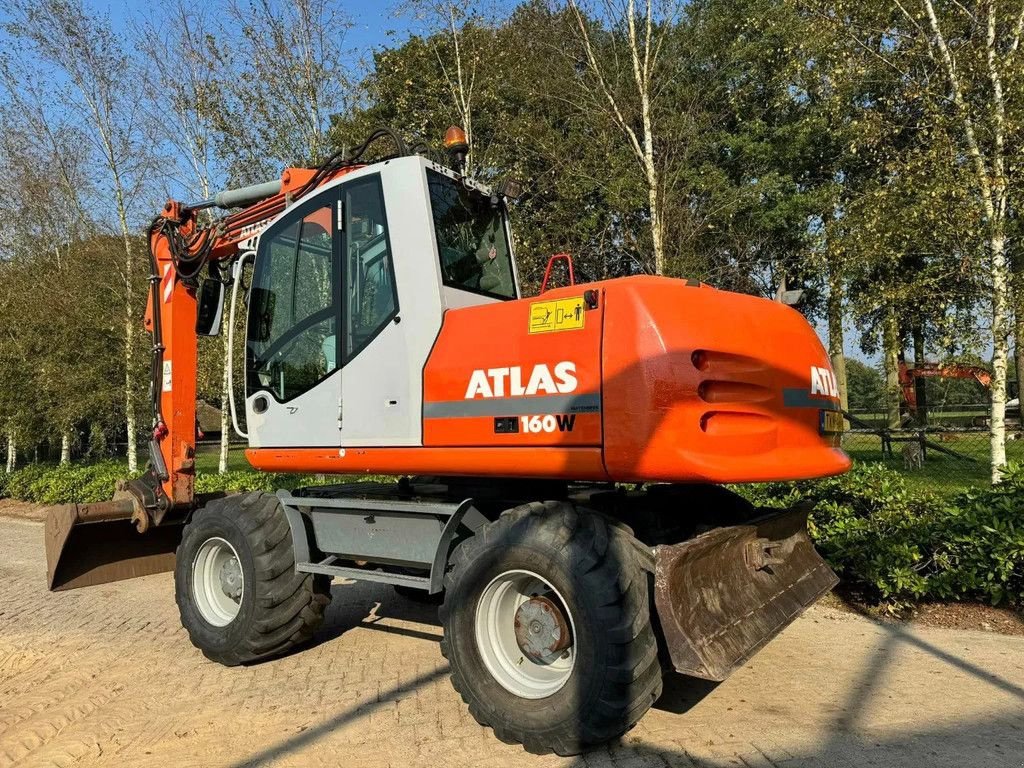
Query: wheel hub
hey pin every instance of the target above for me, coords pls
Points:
(542, 631)
(218, 584)
(525, 633)
(231, 578)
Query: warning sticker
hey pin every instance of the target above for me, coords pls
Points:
(557, 315)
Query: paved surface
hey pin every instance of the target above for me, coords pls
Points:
(105, 676)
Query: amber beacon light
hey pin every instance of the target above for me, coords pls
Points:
(456, 143)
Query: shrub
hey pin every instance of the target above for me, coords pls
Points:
(241, 480)
(902, 545)
(898, 544)
(68, 484)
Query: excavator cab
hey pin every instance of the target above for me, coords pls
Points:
(348, 291)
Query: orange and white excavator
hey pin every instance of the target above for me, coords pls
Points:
(559, 458)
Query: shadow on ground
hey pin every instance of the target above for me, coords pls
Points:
(990, 743)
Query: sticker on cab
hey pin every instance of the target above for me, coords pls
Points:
(557, 315)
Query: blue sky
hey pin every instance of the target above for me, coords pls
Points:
(375, 23)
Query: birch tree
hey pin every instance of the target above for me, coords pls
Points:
(185, 94)
(644, 35)
(459, 59)
(92, 78)
(980, 105)
(283, 76)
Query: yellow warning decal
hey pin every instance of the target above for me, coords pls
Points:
(557, 315)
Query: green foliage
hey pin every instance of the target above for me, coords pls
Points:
(905, 545)
(86, 483)
(240, 480)
(68, 484)
(865, 386)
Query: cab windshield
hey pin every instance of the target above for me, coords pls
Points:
(471, 239)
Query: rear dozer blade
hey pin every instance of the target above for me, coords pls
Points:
(723, 595)
(89, 544)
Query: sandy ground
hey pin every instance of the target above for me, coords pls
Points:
(105, 676)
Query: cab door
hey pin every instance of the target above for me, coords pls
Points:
(293, 383)
(378, 386)
(326, 361)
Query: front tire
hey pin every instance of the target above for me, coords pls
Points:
(547, 629)
(235, 583)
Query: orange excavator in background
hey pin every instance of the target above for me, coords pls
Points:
(559, 458)
(908, 377)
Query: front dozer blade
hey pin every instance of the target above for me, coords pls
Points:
(90, 544)
(723, 595)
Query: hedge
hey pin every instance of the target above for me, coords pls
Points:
(896, 544)
(902, 546)
(85, 483)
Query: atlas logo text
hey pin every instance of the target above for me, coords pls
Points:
(823, 382)
(509, 382)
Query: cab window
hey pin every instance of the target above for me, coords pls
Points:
(371, 301)
(320, 293)
(293, 310)
(472, 243)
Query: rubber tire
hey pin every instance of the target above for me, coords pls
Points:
(593, 565)
(280, 608)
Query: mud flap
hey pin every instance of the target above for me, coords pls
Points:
(89, 544)
(723, 595)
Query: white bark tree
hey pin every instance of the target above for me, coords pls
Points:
(459, 64)
(93, 79)
(644, 35)
(184, 96)
(283, 77)
(980, 104)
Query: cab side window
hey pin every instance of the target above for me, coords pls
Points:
(293, 308)
(370, 301)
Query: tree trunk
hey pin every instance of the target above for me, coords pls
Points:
(920, 390)
(657, 228)
(1018, 341)
(12, 452)
(836, 339)
(225, 404)
(891, 352)
(1000, 349)
(65, 448)
(129, 329)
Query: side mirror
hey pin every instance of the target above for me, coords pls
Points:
(211, 308)
(792, 298)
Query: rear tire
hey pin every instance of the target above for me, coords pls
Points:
(235, 583)
(592, 691)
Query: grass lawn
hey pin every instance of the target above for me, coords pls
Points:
(940, 471)
(208, 458)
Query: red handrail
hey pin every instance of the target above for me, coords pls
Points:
(547, 272)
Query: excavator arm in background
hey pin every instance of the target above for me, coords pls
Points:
(908, 377)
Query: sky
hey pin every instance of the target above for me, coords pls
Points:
(375, 23)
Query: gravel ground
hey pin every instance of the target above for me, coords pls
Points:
(105, 676)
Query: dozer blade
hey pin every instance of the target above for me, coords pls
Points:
(90, 544)
(723, 595)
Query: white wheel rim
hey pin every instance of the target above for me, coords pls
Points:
(496, 636)
(217, 582)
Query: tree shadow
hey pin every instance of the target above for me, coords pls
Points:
(849, 741)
